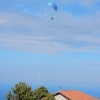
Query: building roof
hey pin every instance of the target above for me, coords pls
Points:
(75, 95)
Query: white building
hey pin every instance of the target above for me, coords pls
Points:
(72, 95)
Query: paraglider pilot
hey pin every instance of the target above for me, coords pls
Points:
(52, 18)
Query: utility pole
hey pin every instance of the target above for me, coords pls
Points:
(39, 79)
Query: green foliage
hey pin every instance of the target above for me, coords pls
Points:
(22, 91)
(8, 96)
(40, 93)
(50, 97)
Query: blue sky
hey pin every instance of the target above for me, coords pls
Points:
(65, 51)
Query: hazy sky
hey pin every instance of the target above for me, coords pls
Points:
(65, 51)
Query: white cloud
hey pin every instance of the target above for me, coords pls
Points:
(89, 2)
(38, 34)
(83, 2)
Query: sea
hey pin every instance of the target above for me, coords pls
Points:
(93, 91)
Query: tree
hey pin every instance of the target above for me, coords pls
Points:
(21, 91)
(50, 97)
(40, 93)
(9, 95)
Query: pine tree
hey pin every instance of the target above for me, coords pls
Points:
(21, 91)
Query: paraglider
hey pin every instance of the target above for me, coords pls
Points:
(54, 7)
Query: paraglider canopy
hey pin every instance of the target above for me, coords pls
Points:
(53, 5)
